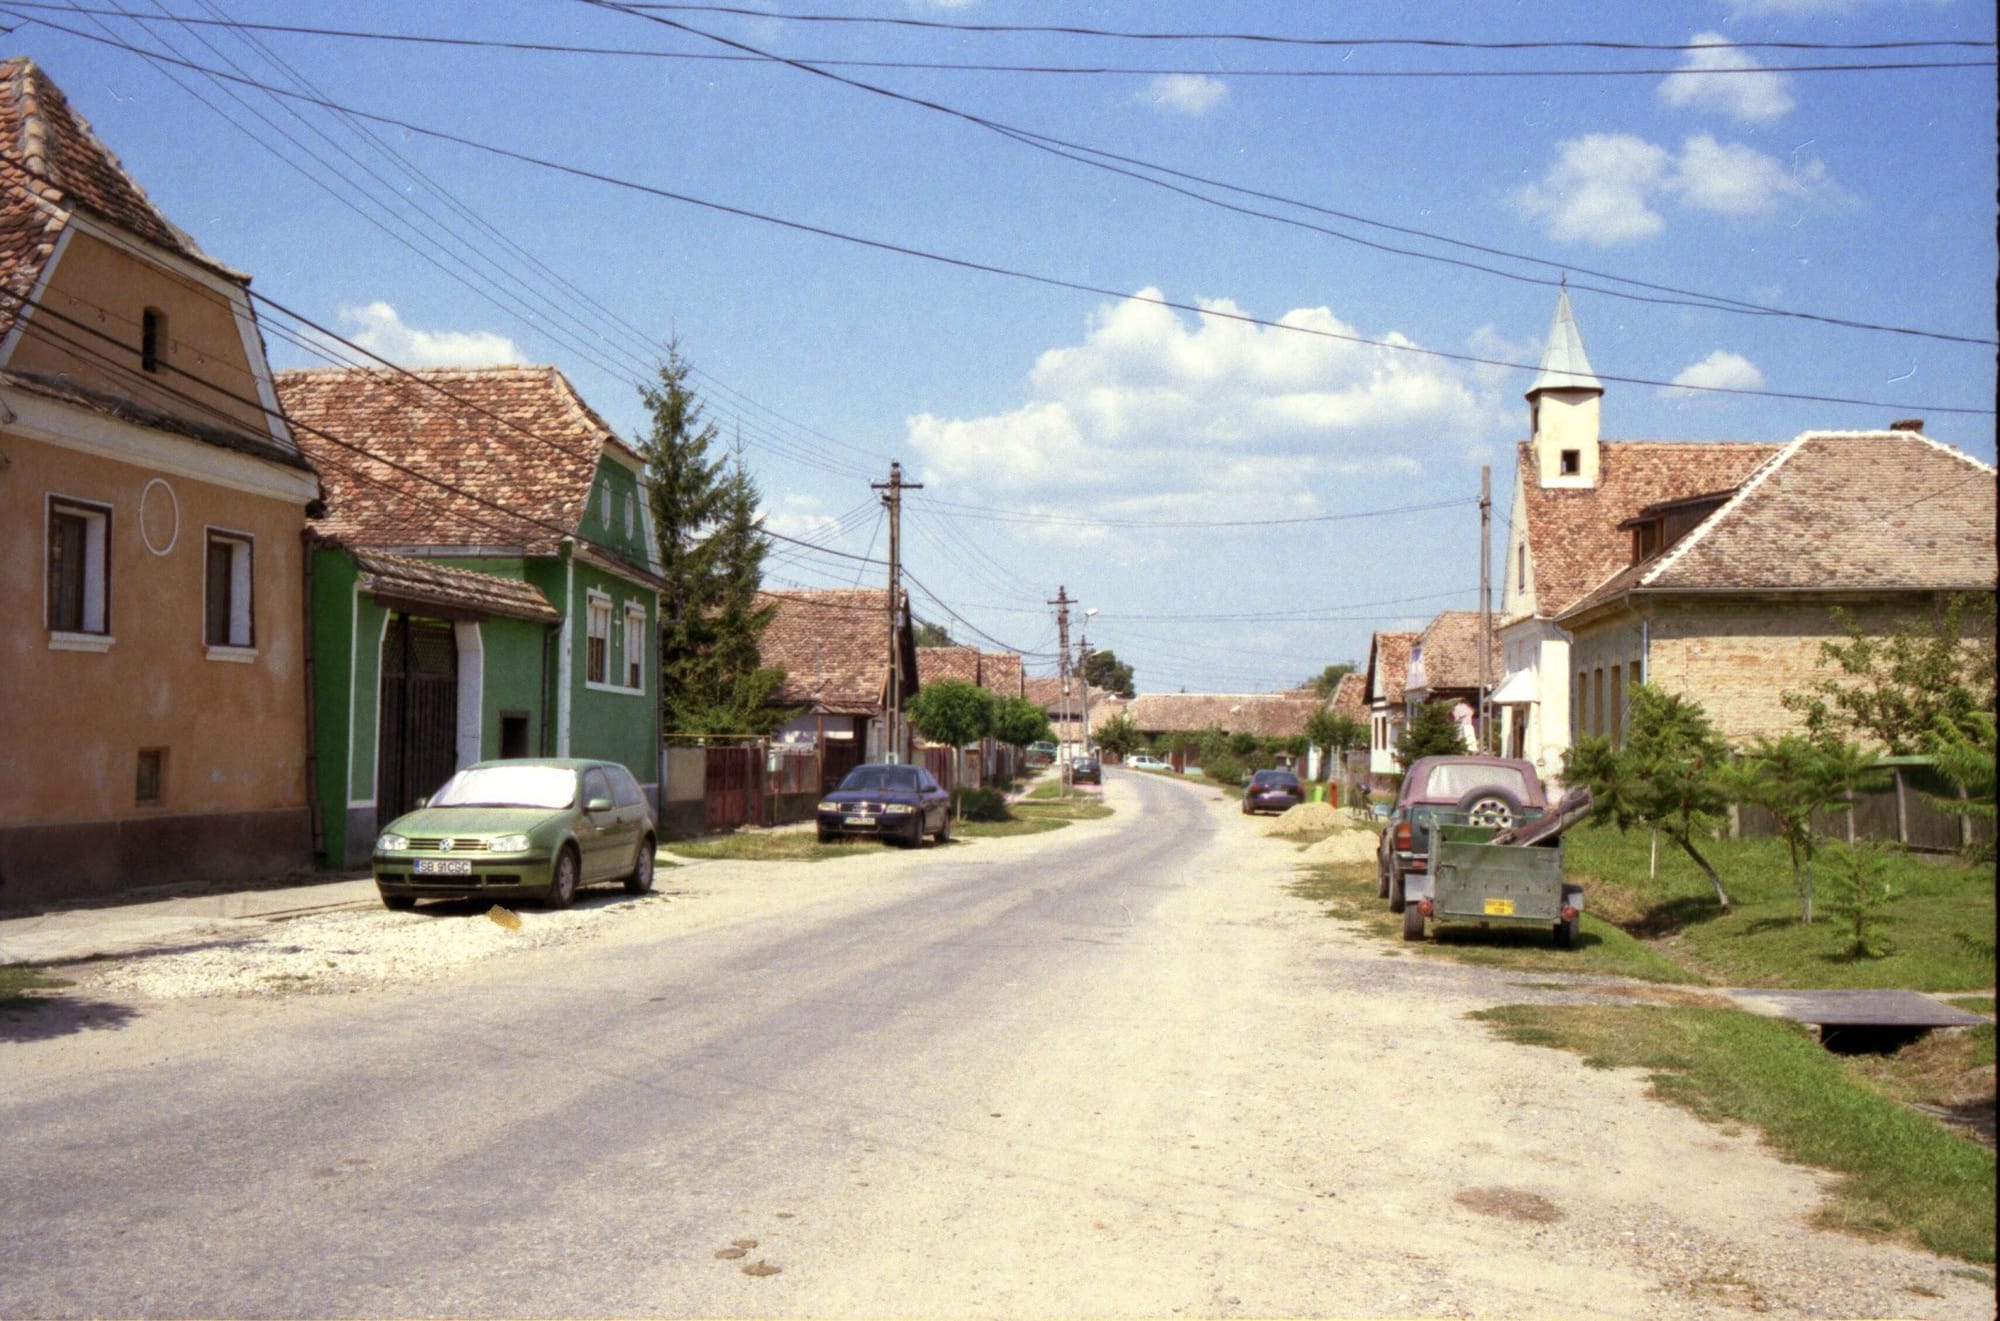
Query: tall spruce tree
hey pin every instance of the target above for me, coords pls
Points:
(711, 554)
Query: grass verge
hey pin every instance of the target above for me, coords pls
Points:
(1348, 892)
(17, 980)
(1938, 921)
(1035, 815)
(770, 846)
(1904, 1175)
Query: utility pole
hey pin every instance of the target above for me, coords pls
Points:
(1485, 603)
(892, 498)
(1062, 604)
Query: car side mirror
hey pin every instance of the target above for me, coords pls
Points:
(598, 805)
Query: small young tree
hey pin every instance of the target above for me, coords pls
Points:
(1668, 776)
(1119, 736)
(1019, 722)
(1431, 732)
(1861, 889)
(1792, 778)
(952, 712)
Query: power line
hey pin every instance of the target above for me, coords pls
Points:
(1084, 520)
(1031, 277)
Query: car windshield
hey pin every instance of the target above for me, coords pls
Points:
(881, 777)
(1456, 779)
(508, 786)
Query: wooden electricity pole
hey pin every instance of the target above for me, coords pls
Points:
(1485, 604)
(892, 498)
(1062, 604)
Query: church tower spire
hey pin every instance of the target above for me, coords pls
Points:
(1563, 406)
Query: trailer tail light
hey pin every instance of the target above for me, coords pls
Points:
(1569, 912)
(1425, 907)
(1404, 841)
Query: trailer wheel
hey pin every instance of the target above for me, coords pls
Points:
(1413, 923)
(1566, 934)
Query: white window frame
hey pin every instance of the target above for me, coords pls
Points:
(597, 628)
(95, 633)
(633, 667)
(241, 644)
(604, 505)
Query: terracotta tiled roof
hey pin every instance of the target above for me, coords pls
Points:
(1389, 665)
(1574, 542)
(1000, 671)
(1448, 652)
(68, 390)
(1267, 715)
(1837, 511)
(404, 578)
(1350, 697)
(833, 646)
(516, 444)
(1045, 691)
(934, 663)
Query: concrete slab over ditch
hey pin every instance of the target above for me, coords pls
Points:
(1858, 1020)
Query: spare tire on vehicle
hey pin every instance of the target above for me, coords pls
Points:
(1491, 806)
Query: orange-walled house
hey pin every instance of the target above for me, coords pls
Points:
(152, 666)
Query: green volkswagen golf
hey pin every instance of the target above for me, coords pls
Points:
(519, 829)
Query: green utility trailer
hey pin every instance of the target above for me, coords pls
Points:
(1499, 877)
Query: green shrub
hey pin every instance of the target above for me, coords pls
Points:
(979, 804)
(1223, 769)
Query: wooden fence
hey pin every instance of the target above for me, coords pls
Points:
(1903, 811)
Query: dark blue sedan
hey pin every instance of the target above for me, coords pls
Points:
(901, 803)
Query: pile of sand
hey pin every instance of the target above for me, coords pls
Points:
(1313, 821)
(1343, 846)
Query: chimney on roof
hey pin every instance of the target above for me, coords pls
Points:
(1915, 424)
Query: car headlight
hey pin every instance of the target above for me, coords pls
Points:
(391, 842)
(508, 844)
(831, 806)
(897, 809)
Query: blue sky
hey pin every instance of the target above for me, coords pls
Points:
(1093, 440)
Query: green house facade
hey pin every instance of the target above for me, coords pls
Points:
(483, 586)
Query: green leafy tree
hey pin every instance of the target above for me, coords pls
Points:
(1792, 778)
(1334, 732)
(952, 712)
(1328, 679)
(1898, 689)
(1431, 732)
(1019, 722)
(932, 635)
(1243, 745)
(1103, 670)
(1669, 776)
(1119, 736)
(711, 550)
(1964, 753)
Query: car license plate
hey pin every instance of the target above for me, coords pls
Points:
(860, 819)
(1500, 907)
(442, 866)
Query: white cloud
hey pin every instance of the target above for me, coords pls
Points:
(381, 331)
(1156, 409)
(1603, 187)
(1728, 81)
(1599, 190)
(798, 515)
(1487, 342)
(1185, 93)
(1721, 370)
(1730, 179)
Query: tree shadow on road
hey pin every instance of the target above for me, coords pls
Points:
(42, 1011)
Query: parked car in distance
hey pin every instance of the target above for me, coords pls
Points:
(1272, 791)
(1041, 754)
(888, 801)
(1470, 789)
(538, 829)
(1146, 761)
(1086, 770)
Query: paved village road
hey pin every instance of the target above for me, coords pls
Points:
(1114, 1070)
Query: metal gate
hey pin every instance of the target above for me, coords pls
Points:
(419, 728)
(838, 756)
(735, 789)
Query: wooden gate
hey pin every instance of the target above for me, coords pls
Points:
(419, 723)
(735, 795)
(837, 756)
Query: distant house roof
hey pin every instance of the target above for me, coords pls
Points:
(1267, 715)
(934, 663)
(833, 645)
(1447, 654)
(1573, 532)
(1389, 665)
(410, 581)
(510, 454)
(1046, 691)
(1350, 697)
(1001, 672)
(1836, 511)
